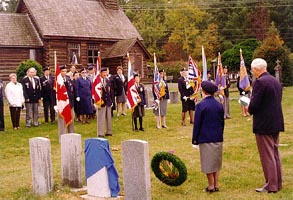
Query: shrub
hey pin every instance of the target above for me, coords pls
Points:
(25, 65)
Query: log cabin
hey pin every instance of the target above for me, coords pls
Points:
(76, 29)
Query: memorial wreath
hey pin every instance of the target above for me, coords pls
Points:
(169, 169)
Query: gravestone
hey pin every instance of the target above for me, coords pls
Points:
(71, 152)
(174, 97)
(278, 71)
(41, 165)
(101, 174)
(149, 97)
(136, 170)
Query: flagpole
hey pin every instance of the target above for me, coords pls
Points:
(97, 107)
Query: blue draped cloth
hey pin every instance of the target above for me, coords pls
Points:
(98, 155)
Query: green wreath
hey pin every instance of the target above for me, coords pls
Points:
(169, 169)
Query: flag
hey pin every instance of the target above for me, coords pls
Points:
(243, 80)
(194, 75)
(132, 94)
(156, 79)
(97, 85)
(204, 65)
(220, 78)
(62, 98)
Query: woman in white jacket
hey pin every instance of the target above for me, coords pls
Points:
(14, 95)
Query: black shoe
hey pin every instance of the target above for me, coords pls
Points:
(217, 189)
(141, 129)
(101, 136)
(135, 129)
(108, 134)
(208, 190)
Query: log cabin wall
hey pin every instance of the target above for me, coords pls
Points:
(11, 57)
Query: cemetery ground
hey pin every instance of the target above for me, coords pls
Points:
(240, 175)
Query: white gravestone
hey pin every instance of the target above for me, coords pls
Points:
(41, 165)
(71, 152)
(136, 170)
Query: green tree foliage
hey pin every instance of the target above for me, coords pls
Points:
(273, 49)
(25, 65)
(231, 57)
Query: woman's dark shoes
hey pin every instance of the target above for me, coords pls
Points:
(135, 129)
(209, 190)
(141, 129)
(217, 189)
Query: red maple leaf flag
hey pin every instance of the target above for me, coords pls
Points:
(97, 86)
(63, 106)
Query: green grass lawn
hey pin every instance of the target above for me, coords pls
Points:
(240, 175)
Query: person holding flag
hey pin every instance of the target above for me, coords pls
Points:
(139, 108)
(65, 100)
(220, 79)
(161, 96)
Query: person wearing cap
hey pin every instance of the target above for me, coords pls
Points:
(139, 109)
(208, 132)
(70, 92)
(120, 88)
(48, 95)
(161, 99)
(91, 73)
(226, 94)
(104, 112)
(32, 95)
(185, 93)
(268, 121)
(83, 93)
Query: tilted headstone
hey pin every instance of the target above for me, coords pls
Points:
(174, 97)
(136, 170)
(41, 165)
(71, 152)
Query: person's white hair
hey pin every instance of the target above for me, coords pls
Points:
(259, 63)
(32, 69)
(12, 75)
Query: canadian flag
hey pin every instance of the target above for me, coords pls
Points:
(97, 85)
(63, 106)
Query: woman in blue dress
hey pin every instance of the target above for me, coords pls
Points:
(83, 88)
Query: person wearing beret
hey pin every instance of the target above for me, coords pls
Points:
(48, 95)
(83, 93)
(104, 112)
(91, 73)
(70, 92)
(268, 121)
(139, 109)
(185, 93)
(32, 95)
(161, 108)
(208, 132)
(120, 88)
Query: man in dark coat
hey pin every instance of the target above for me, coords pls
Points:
(48, 95)
(268, 121)
(32, 95)
(104, 113)
(185, 93)
(70, 91)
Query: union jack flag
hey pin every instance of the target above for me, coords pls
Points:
(194, 75)
(156, 79)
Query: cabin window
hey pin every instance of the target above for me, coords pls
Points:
(32, 54)
(92, 54)
(74, 53)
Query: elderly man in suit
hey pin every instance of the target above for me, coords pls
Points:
(268, 121)
(32, 95)
(104, 113)
(48, 95)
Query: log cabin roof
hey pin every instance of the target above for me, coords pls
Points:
(120, 48)
(17, 30)
(79, 18)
